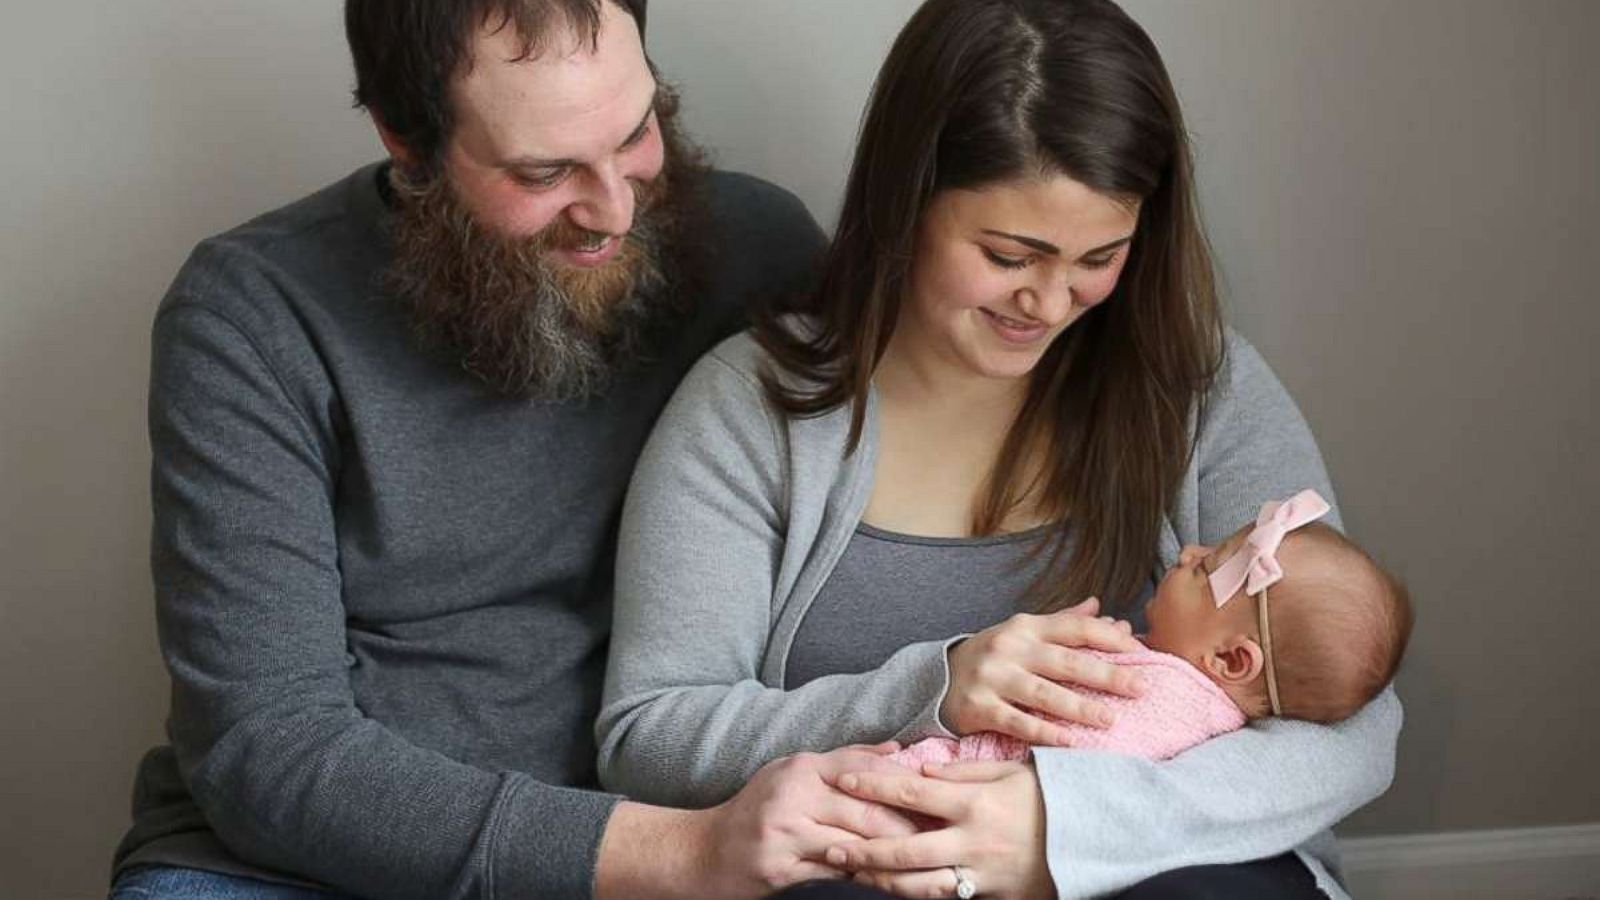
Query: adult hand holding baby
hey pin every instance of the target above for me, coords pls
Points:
(993, 832)
(1007, 677)
(776, 830)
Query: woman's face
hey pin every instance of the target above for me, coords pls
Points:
(1000, 272)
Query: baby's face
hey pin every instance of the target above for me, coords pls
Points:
(1183, 616)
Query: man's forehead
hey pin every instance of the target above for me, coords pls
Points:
(567, 101)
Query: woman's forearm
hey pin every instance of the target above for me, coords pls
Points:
(1114, 820)
(668, 737)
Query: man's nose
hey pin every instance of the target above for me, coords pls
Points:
(607, 202)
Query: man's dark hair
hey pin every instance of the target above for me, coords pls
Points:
(407, 51)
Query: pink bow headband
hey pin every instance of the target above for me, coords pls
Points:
(1255, 566)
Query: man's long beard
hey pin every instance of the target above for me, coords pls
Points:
(518, 320)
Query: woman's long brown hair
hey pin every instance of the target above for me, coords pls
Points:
(981, 92)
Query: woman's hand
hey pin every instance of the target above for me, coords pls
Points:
(995, 832)
(776, 830)
(1008, 678)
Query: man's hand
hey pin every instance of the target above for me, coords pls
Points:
(776, 831)
(771, 834)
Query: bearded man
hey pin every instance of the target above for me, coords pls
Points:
(392, 426)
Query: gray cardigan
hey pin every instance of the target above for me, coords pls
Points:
(737, 515)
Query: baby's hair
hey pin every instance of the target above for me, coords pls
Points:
(1340, 624)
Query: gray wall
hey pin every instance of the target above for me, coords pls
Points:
(1403, 197)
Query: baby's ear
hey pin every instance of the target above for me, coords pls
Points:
(1237, 660)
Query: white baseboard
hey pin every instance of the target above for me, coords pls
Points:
(1557, 863)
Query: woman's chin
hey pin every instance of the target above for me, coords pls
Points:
(1004, 366)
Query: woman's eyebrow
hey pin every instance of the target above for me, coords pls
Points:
(1035, 243)
(1052, 249)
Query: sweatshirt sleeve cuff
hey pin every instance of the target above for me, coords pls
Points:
(934, 674)
(547, 841)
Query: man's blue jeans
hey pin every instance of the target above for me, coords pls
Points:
(173, 883)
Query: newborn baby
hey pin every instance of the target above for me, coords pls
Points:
(1222, 649)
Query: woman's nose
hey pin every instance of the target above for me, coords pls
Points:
(1050, 300)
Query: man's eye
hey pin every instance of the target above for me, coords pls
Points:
(546, 178)
(1007, 262)
(637, 138)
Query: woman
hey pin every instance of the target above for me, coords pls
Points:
(1015, 392)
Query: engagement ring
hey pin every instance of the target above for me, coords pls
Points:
(965, 889)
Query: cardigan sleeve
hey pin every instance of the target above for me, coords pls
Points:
(1114, 820)
(686, 718)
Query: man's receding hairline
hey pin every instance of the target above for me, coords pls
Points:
(538, 33)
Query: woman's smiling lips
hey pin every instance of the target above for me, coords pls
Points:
(1014, 331)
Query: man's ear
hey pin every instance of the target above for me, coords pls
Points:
(398, 151)
(1237, 661)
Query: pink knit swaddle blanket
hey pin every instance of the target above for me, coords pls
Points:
(1180, 708)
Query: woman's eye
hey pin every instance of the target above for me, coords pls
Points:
(1100, 263)
(1007, 262)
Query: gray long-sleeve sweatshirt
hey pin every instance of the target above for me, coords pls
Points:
(737, 516)
(380, 587)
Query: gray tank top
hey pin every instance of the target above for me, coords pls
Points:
(890, 590)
